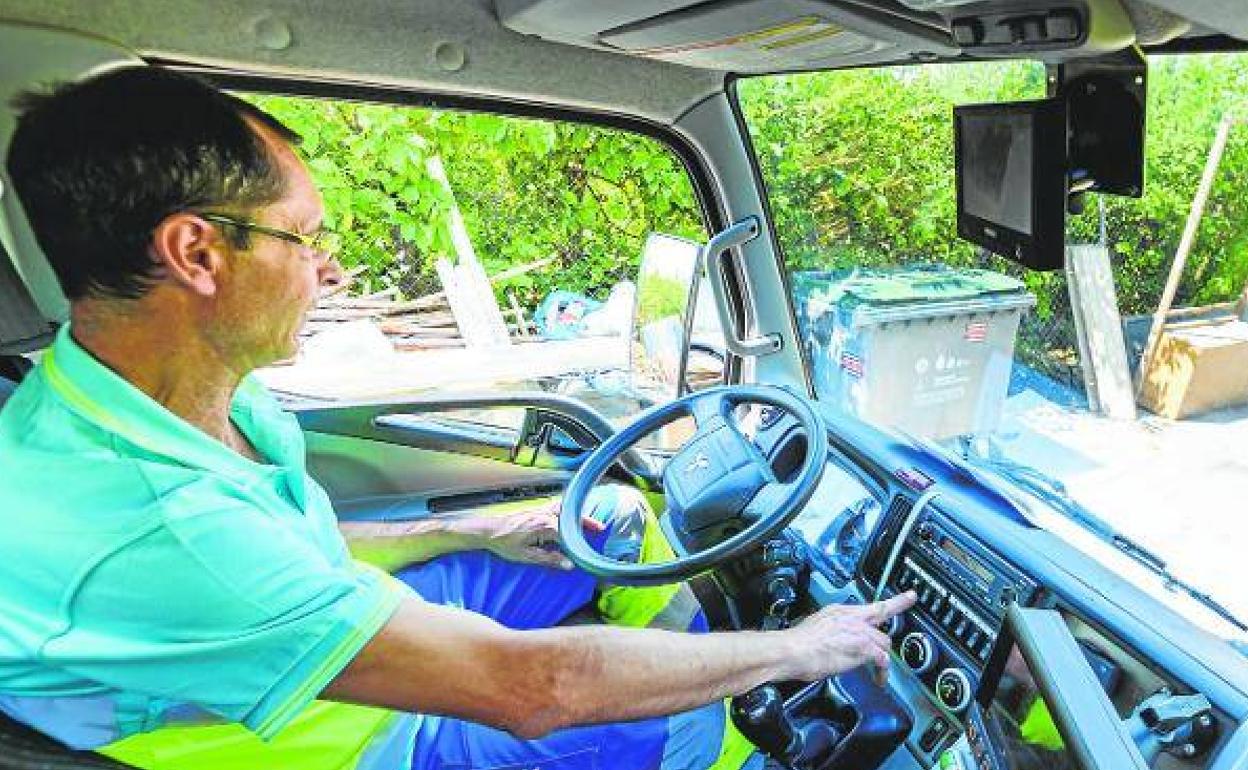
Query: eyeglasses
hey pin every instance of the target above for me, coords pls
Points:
(325, 242)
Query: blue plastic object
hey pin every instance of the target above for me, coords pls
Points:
(561, 316)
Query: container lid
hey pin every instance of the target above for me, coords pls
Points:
(904, 285)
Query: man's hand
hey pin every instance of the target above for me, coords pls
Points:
(529, 537)
(443, 660)
(843, 637)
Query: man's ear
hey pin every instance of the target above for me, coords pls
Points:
(190, 251)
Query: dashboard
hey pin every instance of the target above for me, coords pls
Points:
(891, 515)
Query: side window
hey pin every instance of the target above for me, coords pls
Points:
(482, 252)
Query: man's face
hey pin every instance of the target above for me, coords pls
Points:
(270, 286)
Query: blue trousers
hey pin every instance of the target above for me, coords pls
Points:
(527, 597)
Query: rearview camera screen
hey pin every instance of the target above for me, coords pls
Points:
(997, 152)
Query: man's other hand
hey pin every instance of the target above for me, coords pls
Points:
(845, 636)
(529, 537)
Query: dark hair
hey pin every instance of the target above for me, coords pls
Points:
(99, 163)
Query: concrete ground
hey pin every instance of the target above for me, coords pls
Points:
(1179, 488)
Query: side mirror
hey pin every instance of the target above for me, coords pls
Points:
(674, 315)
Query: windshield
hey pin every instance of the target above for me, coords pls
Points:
(906, 325)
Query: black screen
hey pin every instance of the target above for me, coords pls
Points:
(997, 152)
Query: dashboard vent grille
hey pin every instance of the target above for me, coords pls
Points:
(885, 533)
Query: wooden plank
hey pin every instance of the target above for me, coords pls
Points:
(529, 267)
(1081, 337)
(382, 306)
(1190, 230)
(427, 343)
(467, 288)
(419, 331)
(339, 314)
(522, 322)
(439, 297)
(1103, 351)
(477, 324)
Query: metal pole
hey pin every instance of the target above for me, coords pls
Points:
(1185, 247)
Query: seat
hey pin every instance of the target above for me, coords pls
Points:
(6, 389)
(31, 305)
(24, 748)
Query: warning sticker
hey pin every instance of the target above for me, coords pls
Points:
(824, 31)
(976, 331)
(799, 31)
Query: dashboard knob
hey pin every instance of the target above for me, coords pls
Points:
(918, 652)
(953, 689)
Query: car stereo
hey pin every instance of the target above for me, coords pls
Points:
(963, 589)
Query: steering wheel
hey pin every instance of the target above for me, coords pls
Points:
(720, 490)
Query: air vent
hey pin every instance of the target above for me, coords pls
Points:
(873, 560)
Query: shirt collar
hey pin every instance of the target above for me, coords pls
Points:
(101, 396)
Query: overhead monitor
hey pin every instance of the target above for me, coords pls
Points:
(1011, 162)
(1041, 707)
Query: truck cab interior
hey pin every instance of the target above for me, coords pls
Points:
(779, 501)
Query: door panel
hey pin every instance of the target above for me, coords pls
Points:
(422, 456)
(370, 480)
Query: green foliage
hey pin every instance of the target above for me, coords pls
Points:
(858, 164)
(661, 297)
(860, 170)
(527, 190)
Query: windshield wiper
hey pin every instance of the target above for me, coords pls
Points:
(1053, 492)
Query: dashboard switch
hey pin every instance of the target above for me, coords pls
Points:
(934, 734)
(905, 578)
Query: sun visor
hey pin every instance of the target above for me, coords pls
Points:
(746, 36)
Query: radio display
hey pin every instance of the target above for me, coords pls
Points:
(960, 555)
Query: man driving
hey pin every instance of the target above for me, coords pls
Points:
(177, 591)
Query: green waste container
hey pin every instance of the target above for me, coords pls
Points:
(928, 350)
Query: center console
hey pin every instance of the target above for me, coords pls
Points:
(963, 590)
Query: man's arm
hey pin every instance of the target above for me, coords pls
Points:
(442, 660)
(525, 535)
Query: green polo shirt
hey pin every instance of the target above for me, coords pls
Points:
(153, 579)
